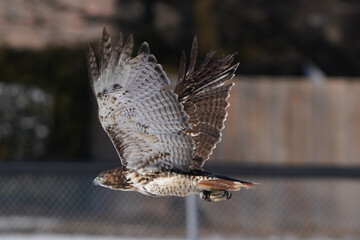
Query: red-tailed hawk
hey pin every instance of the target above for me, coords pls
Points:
(163, 137)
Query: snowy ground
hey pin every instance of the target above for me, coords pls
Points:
(63, 237)
(89, 237)
(45, 224)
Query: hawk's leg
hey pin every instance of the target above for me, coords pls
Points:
(215, 195)
(205, 195)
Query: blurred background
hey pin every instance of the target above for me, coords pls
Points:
(293, 124)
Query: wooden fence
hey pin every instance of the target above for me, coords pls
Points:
(292, 121)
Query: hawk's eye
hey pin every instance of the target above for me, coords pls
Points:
(102, 177)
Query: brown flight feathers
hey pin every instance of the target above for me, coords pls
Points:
(204, 92)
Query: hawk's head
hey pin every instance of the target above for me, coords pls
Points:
(114, 179)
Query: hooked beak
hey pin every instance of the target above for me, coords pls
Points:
(96, 182)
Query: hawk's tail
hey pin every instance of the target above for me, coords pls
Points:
(226, 183)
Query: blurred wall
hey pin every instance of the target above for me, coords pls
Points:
(37, 24)
(287, 120)
(275, 37)
(42, 46)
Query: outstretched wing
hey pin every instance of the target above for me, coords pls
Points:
(144, 121)
(204, 93)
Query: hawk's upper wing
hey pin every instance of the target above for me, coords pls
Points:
(204, 93)
(144, 121)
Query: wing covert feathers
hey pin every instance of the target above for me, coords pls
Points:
(151, 127)
(204, 93)
(145, 122)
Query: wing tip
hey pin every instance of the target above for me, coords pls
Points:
(193, 55)
(89, 51)
(130, 39)
(105, 37)
(144, 48)
(182, 67)
(92, 65)
(105, 32)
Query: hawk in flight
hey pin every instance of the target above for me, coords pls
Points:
(163, 137)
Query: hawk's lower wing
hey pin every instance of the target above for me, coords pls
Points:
(144, 121)
(204, 93)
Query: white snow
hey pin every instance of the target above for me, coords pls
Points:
(93, 237)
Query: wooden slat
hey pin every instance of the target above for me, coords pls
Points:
(292, 121)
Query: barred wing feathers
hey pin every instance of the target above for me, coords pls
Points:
(145, 122)
(204, 93)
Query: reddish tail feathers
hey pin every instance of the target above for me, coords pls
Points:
(225, 184)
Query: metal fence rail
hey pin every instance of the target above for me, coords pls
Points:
(60, 198)
(263, 171)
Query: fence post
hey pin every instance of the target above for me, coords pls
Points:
(191, 217)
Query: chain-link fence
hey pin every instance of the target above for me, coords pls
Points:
(57, 201)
